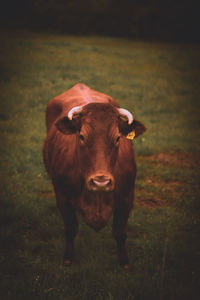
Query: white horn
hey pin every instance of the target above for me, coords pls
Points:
(73, 111)
(126, 113)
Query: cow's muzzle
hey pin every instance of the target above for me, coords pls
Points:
(100, 183)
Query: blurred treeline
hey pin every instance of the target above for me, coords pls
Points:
(160, 19)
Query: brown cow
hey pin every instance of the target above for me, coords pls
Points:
(91, 162)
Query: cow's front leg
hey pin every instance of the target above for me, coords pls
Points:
(120, 219)
(71, 226)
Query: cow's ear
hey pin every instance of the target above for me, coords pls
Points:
(138, 127)
(132, 130)
(67, 126)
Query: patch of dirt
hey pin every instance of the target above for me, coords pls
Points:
(173, 186)
(148, 202)
(175, 159)
(152, 203)
(163, 187)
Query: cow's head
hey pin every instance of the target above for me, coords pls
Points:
(99, 128)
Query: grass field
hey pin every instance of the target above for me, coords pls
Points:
(160, 84)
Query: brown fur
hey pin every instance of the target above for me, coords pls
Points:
(79, 151)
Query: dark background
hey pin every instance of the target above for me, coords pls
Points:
(171, 20)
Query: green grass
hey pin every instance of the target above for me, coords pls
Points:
(159, 83)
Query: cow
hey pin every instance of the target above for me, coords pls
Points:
(89, 157)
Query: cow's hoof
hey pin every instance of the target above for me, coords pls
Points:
(123, 261)
(67, 262)
(126, 267)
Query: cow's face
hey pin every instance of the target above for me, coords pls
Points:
(98, 128)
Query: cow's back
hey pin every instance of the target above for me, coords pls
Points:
(78, 95)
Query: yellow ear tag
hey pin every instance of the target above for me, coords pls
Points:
(131, 135)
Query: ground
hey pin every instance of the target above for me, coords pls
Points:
(159, 83)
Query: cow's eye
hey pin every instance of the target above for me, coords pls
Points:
(117, 139)
(82, 137)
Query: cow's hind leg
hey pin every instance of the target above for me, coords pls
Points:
(120, 219)
(71, 227)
